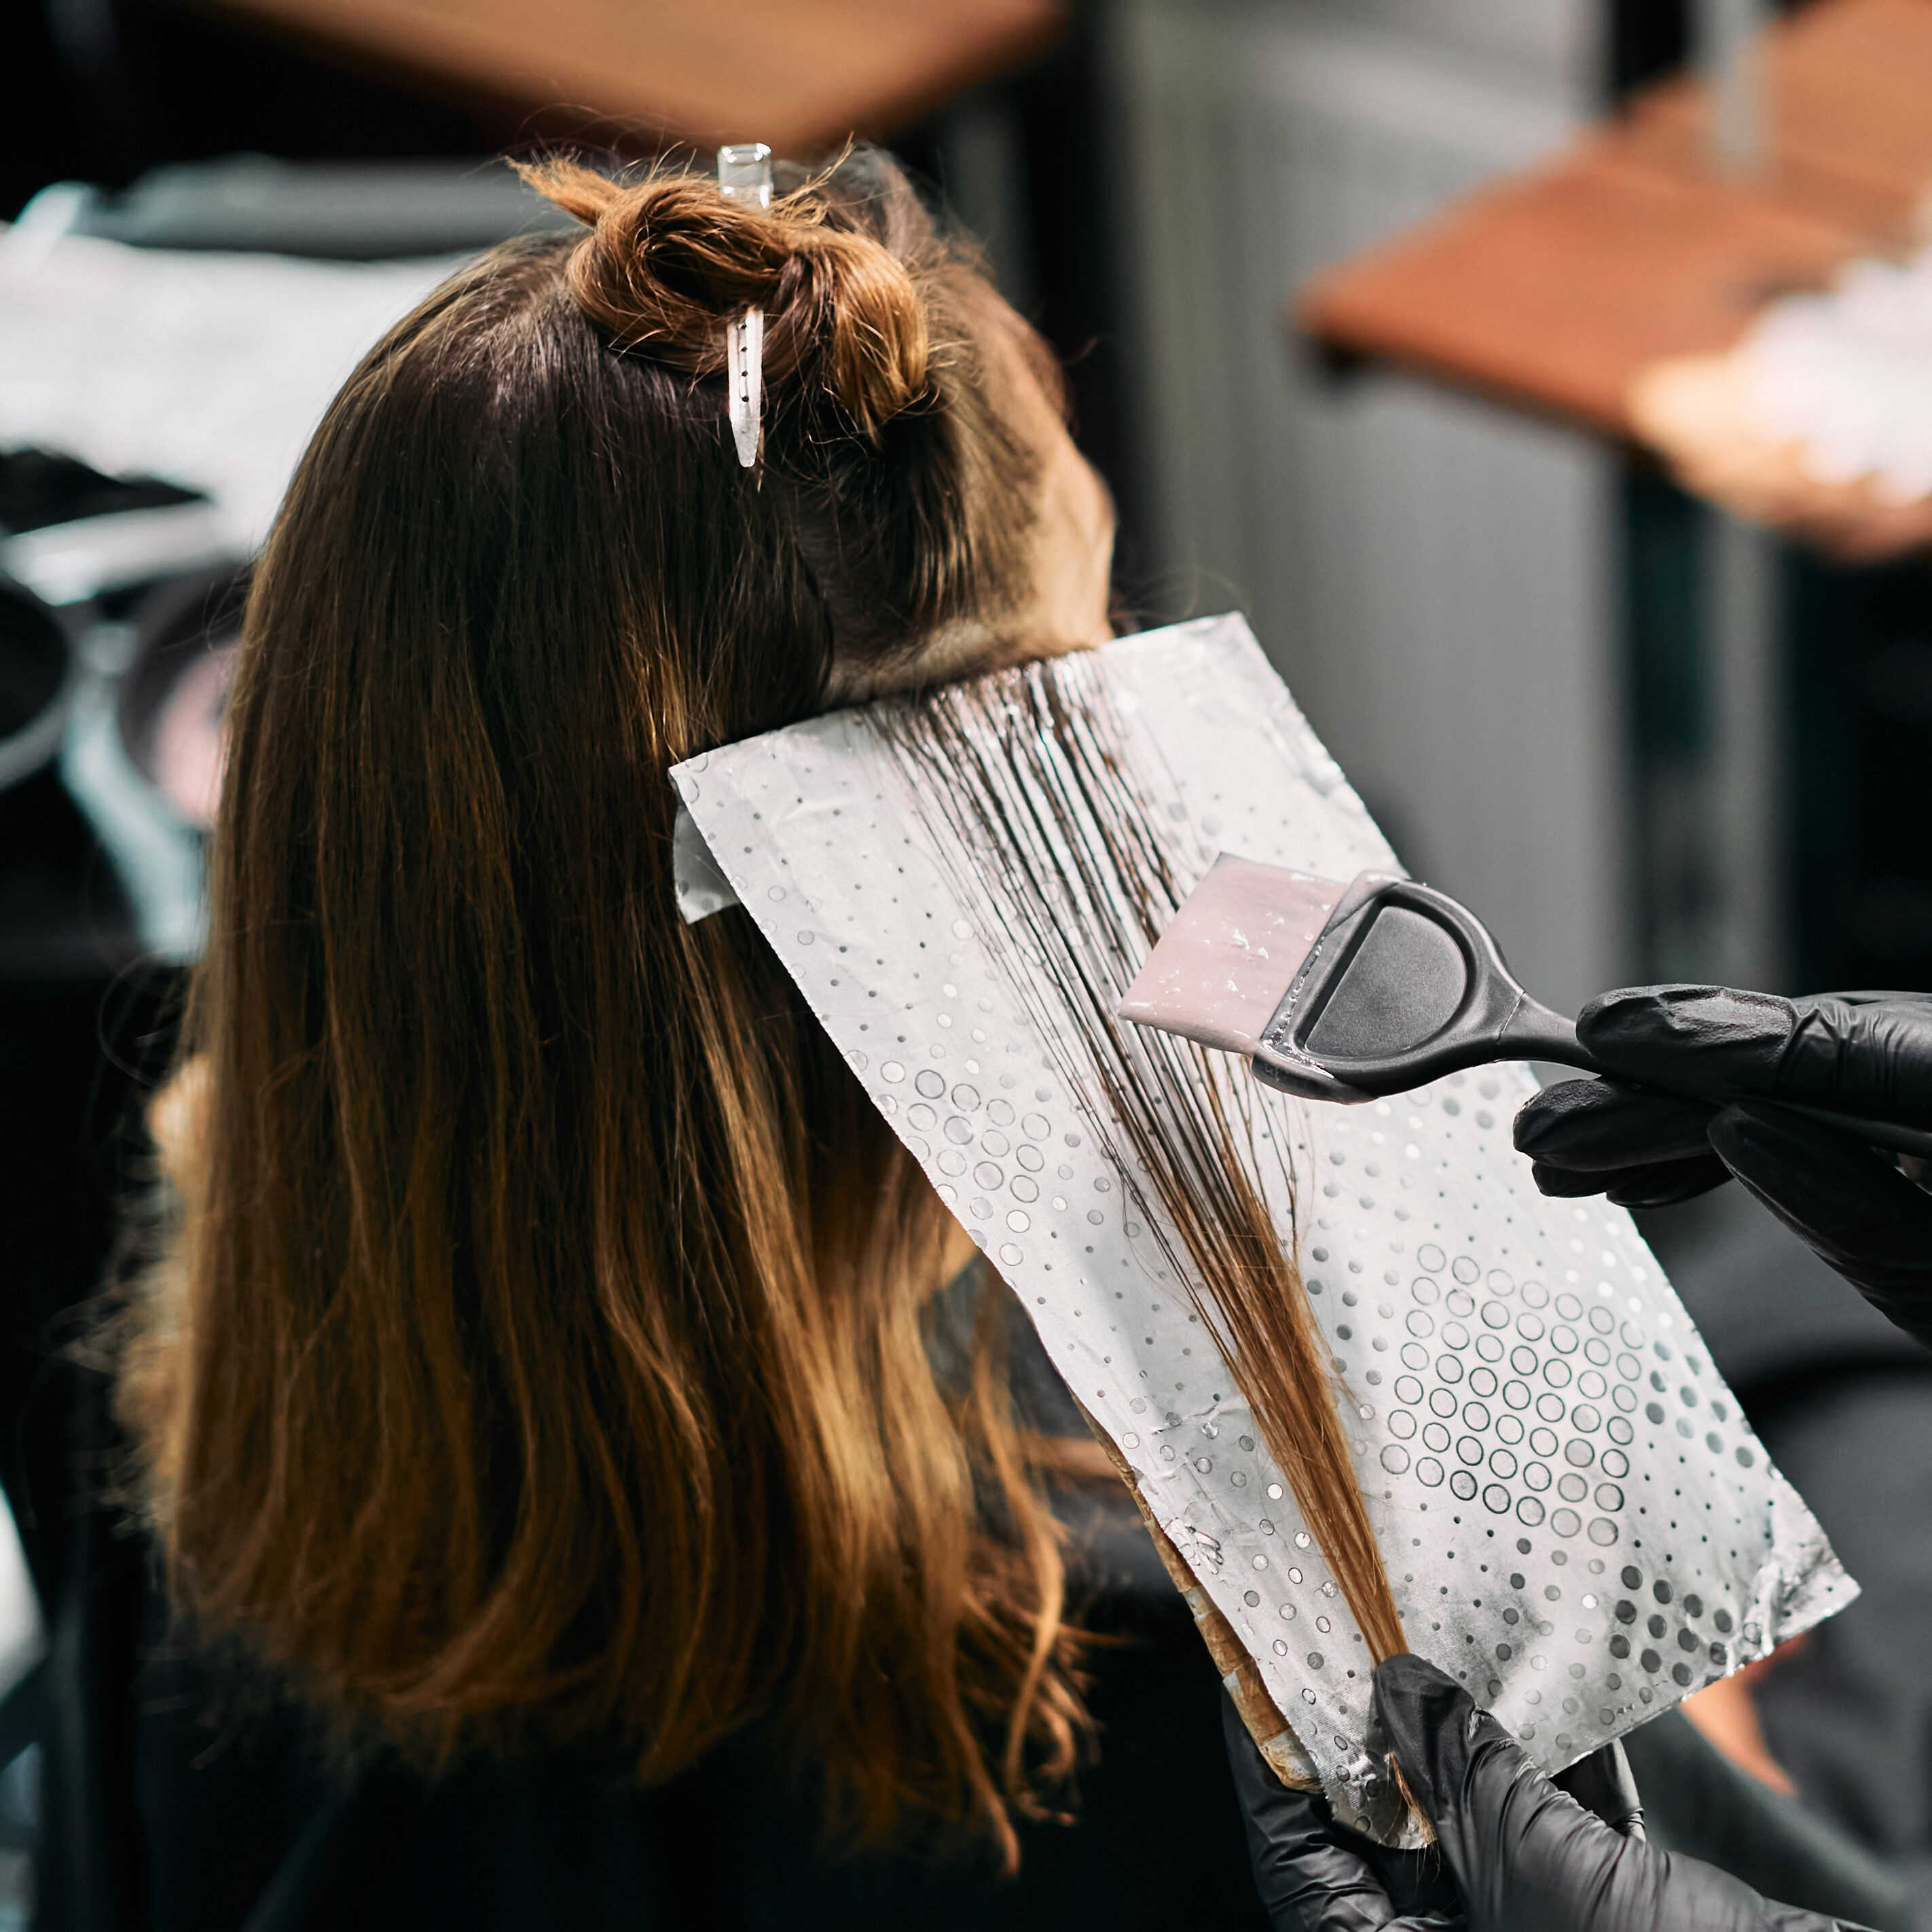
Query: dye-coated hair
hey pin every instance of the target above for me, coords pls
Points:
(1073, 863)
(542, 1354)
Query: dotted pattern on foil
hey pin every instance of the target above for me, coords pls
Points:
(1576, 1520)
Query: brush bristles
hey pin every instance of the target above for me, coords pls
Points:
(1230, 954)
(1061, 856)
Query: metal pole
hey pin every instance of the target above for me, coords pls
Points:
(1745, 796)
(1729, 52)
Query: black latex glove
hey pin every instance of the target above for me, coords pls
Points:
(1524, 1855)
(1316, 1876)
(1863, 1053)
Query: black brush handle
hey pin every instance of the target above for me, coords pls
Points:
(1533, 1032)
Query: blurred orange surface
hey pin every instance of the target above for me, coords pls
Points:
(798, 76)
(1553, 288)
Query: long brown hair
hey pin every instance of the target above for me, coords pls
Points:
(543, 1356)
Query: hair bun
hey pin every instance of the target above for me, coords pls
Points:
(670, 260)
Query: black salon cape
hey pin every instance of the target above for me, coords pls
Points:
(172, 1803)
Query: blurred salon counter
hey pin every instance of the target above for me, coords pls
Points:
(1577, 290)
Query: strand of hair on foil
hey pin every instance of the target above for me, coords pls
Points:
(1066, 860)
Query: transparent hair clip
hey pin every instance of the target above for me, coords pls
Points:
(744, 174)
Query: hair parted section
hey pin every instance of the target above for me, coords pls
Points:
(670, 259)
(1074, 875)
(543, 1355)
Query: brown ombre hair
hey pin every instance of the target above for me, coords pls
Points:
(542, 1356)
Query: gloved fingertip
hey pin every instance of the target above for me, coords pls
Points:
(1604, 1785)
(1406, 1674)
(1660, 1033)
(1593, 1126)
(1547, 1114)
(1424, 1714)
(1566, 1183)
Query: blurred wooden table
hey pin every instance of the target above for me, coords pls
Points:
(800, 75)
(1553, 289)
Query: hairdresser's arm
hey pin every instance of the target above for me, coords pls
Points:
(1862, 1053)
(1524, 1855)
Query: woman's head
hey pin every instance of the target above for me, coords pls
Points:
(917, 479)
(543, 1355)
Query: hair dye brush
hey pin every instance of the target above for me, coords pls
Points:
(1349, 992)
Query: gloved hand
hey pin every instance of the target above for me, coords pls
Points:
(1863, 1053)
(1316, 1876)
(1524, 1855)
